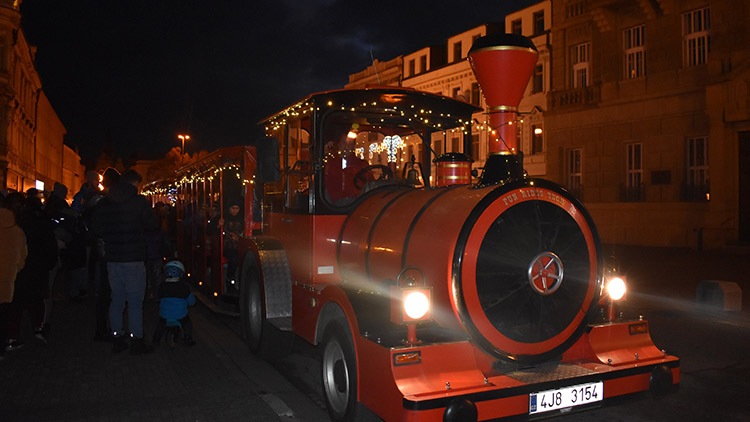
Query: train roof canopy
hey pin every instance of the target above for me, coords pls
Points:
(424, 110)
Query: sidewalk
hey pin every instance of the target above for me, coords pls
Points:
(73, 378)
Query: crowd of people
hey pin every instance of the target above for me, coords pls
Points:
(108, 241)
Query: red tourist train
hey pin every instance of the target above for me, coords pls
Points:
(430, 299)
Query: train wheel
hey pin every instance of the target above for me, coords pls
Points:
(252, 311)
(339, 373)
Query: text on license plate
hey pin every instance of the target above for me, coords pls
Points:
(576, 395)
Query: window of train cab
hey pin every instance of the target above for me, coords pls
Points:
(348, 164)
(293, 195)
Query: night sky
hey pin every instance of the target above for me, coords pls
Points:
(136, 73)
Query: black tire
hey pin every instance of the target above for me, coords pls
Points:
(339, 373)
(252, 308)
(263, 339)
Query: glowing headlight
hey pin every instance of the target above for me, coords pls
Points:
(416, 304)
(616, 288)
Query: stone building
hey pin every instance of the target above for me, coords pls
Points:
(32, 153)
(649, 117)
(641, 109)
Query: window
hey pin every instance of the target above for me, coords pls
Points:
(412, 68)
(696, 37)
(423, 63)
(475, 146)
(538, 78)
(697, 186)
(475, 94)
(634, 40)
(538, 22)
(580, 59)
(634, 173)
(537, 139)
(456, 92)
(574, 173)
(455, 144)
(457, 51)
(515, 27)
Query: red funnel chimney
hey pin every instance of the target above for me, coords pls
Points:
(503, 64)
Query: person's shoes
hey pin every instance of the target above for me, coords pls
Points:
(139, 347)
(13, 344)
(188, 341)
(119, 343)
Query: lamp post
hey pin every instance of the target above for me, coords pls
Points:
(183, 138)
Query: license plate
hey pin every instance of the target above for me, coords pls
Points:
(545, 401)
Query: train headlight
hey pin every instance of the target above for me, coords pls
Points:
(411, 304)
(616, 288)
(416, 304)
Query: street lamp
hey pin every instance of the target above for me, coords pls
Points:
(183, 138)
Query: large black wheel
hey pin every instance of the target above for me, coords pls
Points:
(252, 310)
(339, 373)
(261, 336)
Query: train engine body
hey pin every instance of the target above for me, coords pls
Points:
(433, 298)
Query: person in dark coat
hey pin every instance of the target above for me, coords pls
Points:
(110, 178)
(32, 283)
(121, 221)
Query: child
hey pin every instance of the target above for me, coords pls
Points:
(174, 298)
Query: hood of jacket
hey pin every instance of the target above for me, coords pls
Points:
(121, 192)
(7, 219)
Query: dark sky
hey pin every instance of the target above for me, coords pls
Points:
(140, 72)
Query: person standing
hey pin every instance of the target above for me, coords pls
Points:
(12, 258)
(121, 220)
(32, 283)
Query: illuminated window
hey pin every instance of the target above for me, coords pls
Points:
(634, 40)
(696, 37)
(537, 139)
(515, 27)
(580, 60)
(574, 172)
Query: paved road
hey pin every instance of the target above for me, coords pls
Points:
(74, 379)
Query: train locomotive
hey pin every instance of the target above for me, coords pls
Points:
(433, 298)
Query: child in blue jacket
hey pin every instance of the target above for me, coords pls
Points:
(174, 298)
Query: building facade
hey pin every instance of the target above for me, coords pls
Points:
(32, 153)
(648, 117)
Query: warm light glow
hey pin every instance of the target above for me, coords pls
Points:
(416, 304)
(616, 288)
(538, 131)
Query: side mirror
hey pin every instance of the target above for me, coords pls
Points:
(267, 150)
